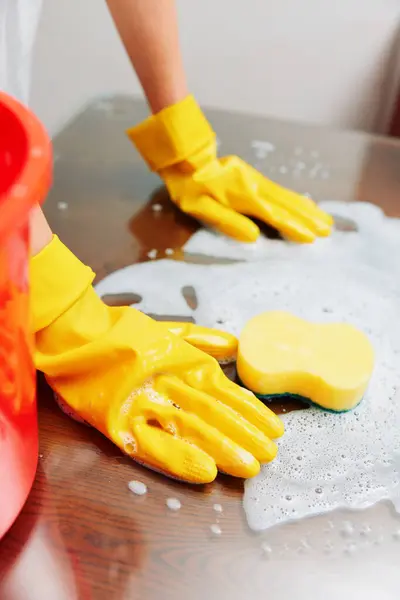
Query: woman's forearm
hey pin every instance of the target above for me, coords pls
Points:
(40, 232)
(149, 32)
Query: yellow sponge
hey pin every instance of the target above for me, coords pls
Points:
(327, 364)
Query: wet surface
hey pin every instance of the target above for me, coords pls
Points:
(121, 299)
(82, 533)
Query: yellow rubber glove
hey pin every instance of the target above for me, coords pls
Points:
(162, 401)
(219, 344)
(180, 145)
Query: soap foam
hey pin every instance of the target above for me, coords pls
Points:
(325, 461)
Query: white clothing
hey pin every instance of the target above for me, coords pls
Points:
(18, 24)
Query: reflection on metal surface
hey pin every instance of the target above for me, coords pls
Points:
(127, 299)
(126, 552)
(189, 293)
(171, 318)
(203, 259)
(344, 224)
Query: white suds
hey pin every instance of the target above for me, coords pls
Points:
(266, 550)
(152, 254)
(173, 504)
(396, 535)
(347, 529)
(325, 461)
(261, 148)
(137, 487)
(215, 529)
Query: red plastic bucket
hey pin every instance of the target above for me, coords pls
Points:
(25, 173)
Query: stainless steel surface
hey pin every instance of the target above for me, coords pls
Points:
(82, 535)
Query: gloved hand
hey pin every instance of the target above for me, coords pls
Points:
(219, 344)
(179, 144)
(162, 401)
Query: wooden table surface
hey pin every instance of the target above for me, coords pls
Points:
(82, 534)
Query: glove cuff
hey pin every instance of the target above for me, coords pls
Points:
(172, 135)
(58, 279)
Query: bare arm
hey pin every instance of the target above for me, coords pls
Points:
(149, 32)
(41, 234)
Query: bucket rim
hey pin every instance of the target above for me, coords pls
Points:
(34, 180)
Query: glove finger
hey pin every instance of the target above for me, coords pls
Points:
(171, 455)
(229, 456)
(216, 343)
(155, 404)
(299, 206)
(246, 183)
(221, 417)
(290, 226)
(289, 199)
(214, 383)
(222, 218)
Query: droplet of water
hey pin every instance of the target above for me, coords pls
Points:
(62, 205)
(266, 550)
(304, 547)
(156, 207)
(350, 549)
(137, 487)
(288, 498)
(215, 529)
(328, 548)
(347, 529)
(173, 503)
(218, 508)
(396, 535)
(152, 254)
(365, 530)
(318, 490)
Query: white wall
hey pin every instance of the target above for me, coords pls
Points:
(312, 60)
